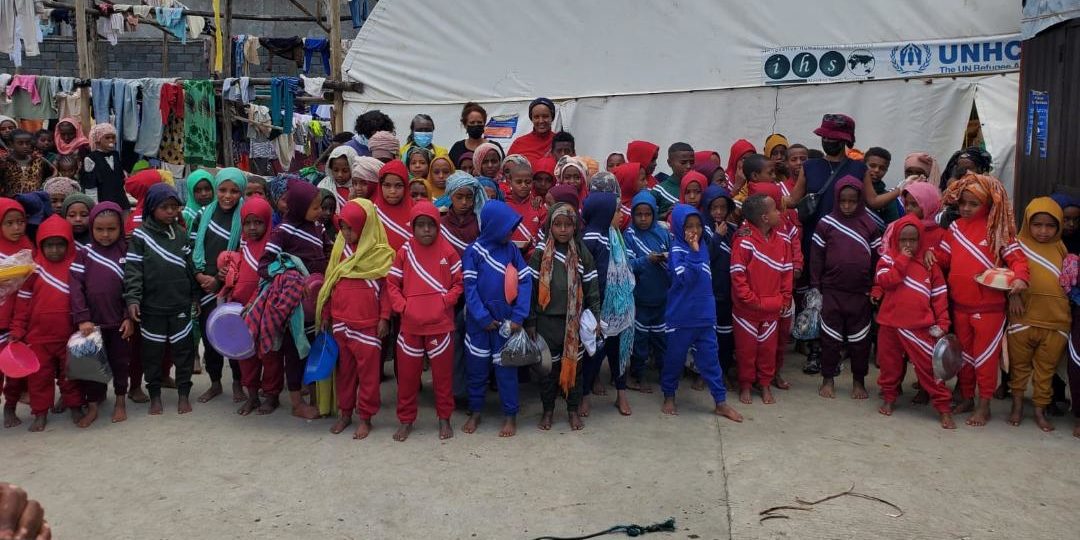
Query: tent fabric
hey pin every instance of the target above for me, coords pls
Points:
(643, 89)
(1042, 14)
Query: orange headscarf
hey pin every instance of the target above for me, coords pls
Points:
(1001, 224)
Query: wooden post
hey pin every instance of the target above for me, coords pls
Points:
(164, 55)
(335, 64)
(225, 138)
(82, 51)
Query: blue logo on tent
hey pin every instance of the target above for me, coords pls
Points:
(911, 58)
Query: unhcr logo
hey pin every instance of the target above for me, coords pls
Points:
(911, 58)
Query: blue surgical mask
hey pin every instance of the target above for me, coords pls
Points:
(422, 138)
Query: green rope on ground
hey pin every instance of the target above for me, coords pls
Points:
(630, 530)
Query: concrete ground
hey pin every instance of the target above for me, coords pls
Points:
(214, 474)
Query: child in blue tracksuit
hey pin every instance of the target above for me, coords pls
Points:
(647, 246)
(599, 212)
(716, 204)
(690, 312)
(485, 264)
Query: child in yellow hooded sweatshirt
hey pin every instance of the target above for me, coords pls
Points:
(1039, 318)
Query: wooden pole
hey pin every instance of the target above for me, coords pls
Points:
(318, 20)
(82, 52)
(225, 117)
(335, 64)
(164, 55)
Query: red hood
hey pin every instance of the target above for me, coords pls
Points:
(643, 152)
(738, 150)
(55, 227)
(689, 178)
(7, 247)
(766, 188)
(627, 175)
(545, 164)
(424, 208)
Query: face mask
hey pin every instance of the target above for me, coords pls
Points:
(422, 138)
(475, 132)
(832, 148)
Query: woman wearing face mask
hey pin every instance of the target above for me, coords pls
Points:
(421, 131)
(473, 119)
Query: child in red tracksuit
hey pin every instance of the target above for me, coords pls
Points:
(984, 236)
(264, 372)
(914, 313)
(43, 321)
(761, 281)
(359, 313)
(424, 286)
(522, 200)
(12, 240)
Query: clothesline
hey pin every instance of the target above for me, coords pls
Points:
(199, 13)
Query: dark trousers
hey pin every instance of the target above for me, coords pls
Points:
(1073, 358)
(215, 363)
(461, 379)
(650, 336)
(118, 352)
(294, 365)
(725, 338)
(845, 323)
(159, 332)
(608, 348)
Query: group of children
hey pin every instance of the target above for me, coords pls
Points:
(695, 271)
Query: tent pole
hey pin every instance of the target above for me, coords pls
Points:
(335, 64)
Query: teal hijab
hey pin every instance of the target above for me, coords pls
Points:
(228, 174)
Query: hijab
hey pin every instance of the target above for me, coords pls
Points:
(567, 162)
(574, 292)
(80, 140)
(7, 247)
(372, 256)
(259, 207)
(739, 149)
(191, 206)
(228, 174)
(929, 199)
(434, 192)
(98, 132)
(996, 207)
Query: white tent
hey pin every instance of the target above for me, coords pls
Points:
(706, 72)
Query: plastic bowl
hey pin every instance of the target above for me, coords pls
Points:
(227, 332)
(17, 360)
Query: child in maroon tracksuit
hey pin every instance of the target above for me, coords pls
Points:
(914, 313)
(424, 285)
(842, 257)
(761, 281)
(97, 299)
(43, 321)
(352, 303)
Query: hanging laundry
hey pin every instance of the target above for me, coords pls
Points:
(27, 83)
(291, 48)
(173, 20)
(19, 30)
(282, 93)
(236, 89)
(150, 124)
(30, 98)
(359, 11)
(219, 59)
(251, 51)
(100, 92)
(126, 109)
(238, 65)
(317, 45)
(196, 25)
(172, 101)
(313, 85)
(200, 130)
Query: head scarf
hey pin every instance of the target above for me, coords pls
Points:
(98, 209)
(1041, 252)
(138, 185)
(79, 141)
(461, 159)
(774, 140)
(620, 154)
(298, 199)
(7, 247)
(459, 180)
(643, 152)
(929, 199)
(705, 165)
(80, 197)
(845, 182)
(228, 174)
(517, 161)
(259, 207)
(574, 293)
(383, 141)
(566, 194)
(604, 182)
(61, 185)
(371, 259)
(689, 178)
(591, 166)
(566, 162)
(350, 155)
(98, 132)
(427, 153)
(156, 196)
(739, 149)
(542, 101)
(489, 183)
(710, 195)
(192, 207)
(36, 205)
(996, 207)
(481, 152)
(55, 227)
(924, 162)
(434, 192)
(367, 169)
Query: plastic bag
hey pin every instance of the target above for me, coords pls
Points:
(807, 324)
(519, 351)
(542, 368)
(13, 272)
(87, 360)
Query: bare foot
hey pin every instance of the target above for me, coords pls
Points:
(269, 405)
(725, 410)
(137, 395)
(546, 420)
(599, 388)
(745, 397)
(780, 382)
(214, 391)
(77, 414)
(155, 406)
(669, 407)
(766, 396)
(921, 397)
(576, 424)
(828, 388)
(403, 432)
(584, 408)
(343, 421)
(981, 415)
(39, 423)
(238, 395)
(59, 407)
(250, 405)
(639, 386)
(858, 390)
(1041, 420)
(10, 418)
(1017, 413)
(622, 403)
(698, 384)
(964, 406)
(509, 427)
(1076, 428)
(119, 412)
(89, 417)
(183, 405)
(363, 429)
(886, 408)
(305, 411)
(472, 423)
(446, 431)
(168, 382)
(947, 421)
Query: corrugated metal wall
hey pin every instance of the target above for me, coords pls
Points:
(1050, 63)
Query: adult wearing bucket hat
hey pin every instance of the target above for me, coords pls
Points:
(837, 132)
